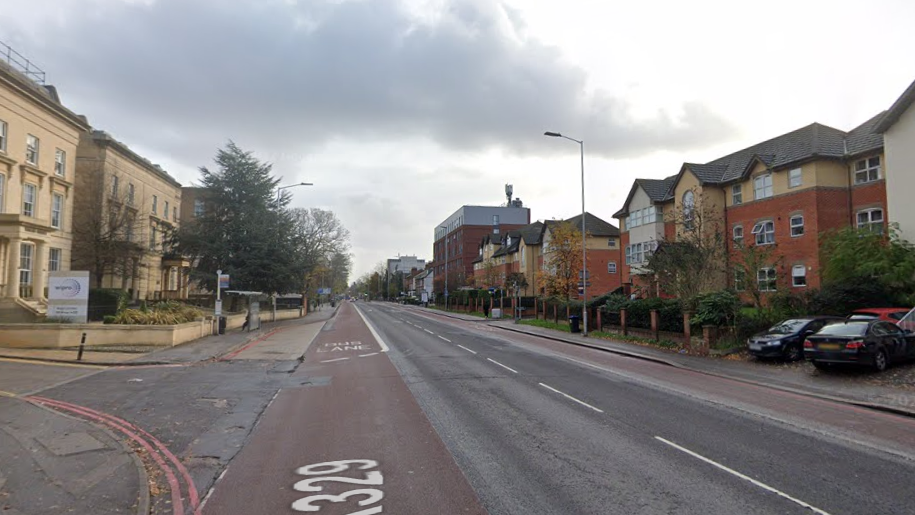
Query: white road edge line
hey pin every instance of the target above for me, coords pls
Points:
(583, 403)
(367, 355)
(745, 478)
(446, 339)
(466, 349)
(332, 360)
(428, 331)
(384, 346)
(503, 366)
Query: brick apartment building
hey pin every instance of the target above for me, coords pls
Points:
(457, 238)
(787, 192)
(526, 250)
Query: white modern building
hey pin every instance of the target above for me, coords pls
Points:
(898, 128)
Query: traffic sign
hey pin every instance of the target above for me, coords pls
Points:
(223, 281)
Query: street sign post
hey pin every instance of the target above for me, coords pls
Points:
(68, 296)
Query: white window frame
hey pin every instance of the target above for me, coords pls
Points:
(740, 279)
(871, 224)
(688, 208)
(32, 149)
(611, 242)
(762, 186)
(55, 257)
(60, 162)
(57, 210)
(3, 137)
(868, 171)
(26, 259)
(764, 236)
(611, 267)
(32, 209)
(737, 194)
(795, 178)
(795, 276)
(737, 234)
(797, 229)
(767, 279)
(628, 254)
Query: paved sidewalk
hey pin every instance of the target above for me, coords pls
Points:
(51, 464)
(204, 349)
(850, 388)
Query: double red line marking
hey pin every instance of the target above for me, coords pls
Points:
(151, 444)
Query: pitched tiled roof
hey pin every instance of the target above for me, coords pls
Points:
(594, 225)
(813, 140)
(896, 110)
(532, 233)
(865, 137)
(657, 190)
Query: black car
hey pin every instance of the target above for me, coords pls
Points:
(786, 338)
(872, 343)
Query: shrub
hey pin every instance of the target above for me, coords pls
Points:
(718, 308)
(160, 313)
(106, 301)
(841, 298)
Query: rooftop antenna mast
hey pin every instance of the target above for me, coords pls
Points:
(509, 190)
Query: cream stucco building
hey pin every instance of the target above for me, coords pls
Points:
(126, 209)
(38, 141)
(898, 128)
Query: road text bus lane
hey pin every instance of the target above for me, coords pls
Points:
(351, 440)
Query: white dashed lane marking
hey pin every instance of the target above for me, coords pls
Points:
(466, 349)
(446, 339)
(567, 396)
(503, 366)
(332, 360)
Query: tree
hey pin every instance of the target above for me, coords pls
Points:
(694, 263)
(321, 249)
(748, 262)
(244, 231)
(490, 274)
(851, 255)
(106, 230)
(562, 259)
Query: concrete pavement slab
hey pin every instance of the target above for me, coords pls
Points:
(53, 464)
(287, 343)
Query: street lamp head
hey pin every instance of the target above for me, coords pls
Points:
(306, 184)
(552, 134)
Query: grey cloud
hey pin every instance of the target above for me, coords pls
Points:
(278, 74)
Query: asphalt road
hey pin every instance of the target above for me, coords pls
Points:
(536, 432)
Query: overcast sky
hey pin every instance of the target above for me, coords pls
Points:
(401, 111)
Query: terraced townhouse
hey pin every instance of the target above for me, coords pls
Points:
(38, 142)
(787, 192)
(527, 250)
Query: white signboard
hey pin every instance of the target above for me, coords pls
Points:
(68, 296)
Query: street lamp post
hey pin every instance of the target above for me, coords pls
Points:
(584, 245)
(281, 188)
(446, 264)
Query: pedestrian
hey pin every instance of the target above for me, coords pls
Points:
(247, 320)
(485, 309)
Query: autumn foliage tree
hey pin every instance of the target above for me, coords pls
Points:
(562, 261)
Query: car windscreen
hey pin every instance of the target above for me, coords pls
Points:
(897, 315)
(788, 326)
(847, 329)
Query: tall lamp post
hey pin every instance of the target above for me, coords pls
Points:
(584, 245)
(446, 264)
(281, 188)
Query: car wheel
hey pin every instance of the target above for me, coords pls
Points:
(793, 352)
(880, 361)
(819, 365)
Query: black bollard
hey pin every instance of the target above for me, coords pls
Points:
(82, 343)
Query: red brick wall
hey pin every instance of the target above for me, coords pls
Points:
(824, 209)
(867, 196)
(601, 281)
(670, 231)
(470, 236)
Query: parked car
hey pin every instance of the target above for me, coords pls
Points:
(872, 343)
(786, 338)
(887, 314)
